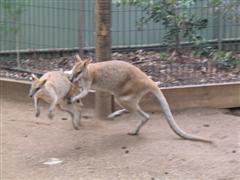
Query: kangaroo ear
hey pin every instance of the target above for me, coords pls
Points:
(34, 77)
(78, 58)
(43, 82)
(87, 62)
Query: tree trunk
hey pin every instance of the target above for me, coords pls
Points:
(103, 101)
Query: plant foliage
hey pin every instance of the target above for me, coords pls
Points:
(174, 15)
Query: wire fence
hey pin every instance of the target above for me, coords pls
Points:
(67, 26)
(57, 24)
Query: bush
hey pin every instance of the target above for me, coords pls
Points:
(225, 60)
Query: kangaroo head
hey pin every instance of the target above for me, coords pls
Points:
(80, 68)
(37, 84)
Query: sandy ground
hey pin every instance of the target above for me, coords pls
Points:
(102, 150)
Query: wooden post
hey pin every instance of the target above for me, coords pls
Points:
(103, 102)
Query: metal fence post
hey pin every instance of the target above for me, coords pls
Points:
(81, 28)
(220, 31)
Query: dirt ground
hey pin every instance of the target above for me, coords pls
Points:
(102, 150)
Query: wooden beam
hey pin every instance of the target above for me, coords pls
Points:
(225, 95)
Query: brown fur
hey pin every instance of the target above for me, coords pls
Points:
(128, 84)
(53, 88)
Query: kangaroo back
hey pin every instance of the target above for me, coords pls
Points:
(113, 75)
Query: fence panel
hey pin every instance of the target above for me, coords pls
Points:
(56, 24)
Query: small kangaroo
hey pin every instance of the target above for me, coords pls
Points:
(128, 84)
(54, 87)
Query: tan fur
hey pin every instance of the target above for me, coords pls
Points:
(53, 88)
(128, 84)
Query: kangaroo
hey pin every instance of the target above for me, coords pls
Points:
(54, 87)
(128, 84)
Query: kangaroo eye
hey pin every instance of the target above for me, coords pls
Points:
(38, 88)
(79, 72)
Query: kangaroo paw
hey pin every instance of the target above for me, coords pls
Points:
(132, 133)
(37, 114)
(50, 115)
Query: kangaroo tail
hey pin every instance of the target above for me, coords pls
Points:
(172, 123)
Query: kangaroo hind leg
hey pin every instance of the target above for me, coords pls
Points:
(131, 104)
(72, 110)
(117, 113)
(144, 117)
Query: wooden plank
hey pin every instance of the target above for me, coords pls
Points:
(225, 95)
(214, 96)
